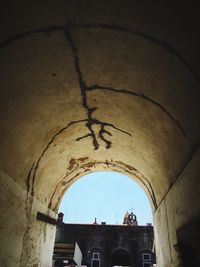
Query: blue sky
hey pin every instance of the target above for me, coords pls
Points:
(106, 196)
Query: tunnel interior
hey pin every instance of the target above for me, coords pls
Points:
(97, 86)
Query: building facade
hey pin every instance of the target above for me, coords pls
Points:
(105, 245)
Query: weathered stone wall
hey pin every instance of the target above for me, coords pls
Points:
(108, 239)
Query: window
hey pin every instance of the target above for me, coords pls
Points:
(95, 262)
(146, 260)
(146, 256)
(95, 255)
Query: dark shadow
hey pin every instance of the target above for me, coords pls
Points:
(120, 258)
(188, 245)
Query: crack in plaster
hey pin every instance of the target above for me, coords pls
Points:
(26, 250)
(142, 96)
(150, 189)
(153, 39)
(24, 258)
(57, 186)
(83, 87)
(182, 169)
(28, 179)
(90, 121)
(47, 147)
(168, 233)
(46, 30)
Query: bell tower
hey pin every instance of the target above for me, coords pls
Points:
(130, 219)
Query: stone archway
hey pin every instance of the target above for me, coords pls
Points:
(96, 86)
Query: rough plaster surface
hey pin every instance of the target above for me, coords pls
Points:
(24, 241)
(180, 206)
(87, 87)
(12, 226)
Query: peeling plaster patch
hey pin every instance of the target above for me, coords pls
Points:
(87, 170)
(89, 165)
(63, 183)
(83, 159)
(72, 162)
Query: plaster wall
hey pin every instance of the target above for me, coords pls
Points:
(12, 221)
(179, 208)
(25, 241)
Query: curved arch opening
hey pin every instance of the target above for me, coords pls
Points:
(108, 211)
(121, 258)
(105, 196)
(81, 167)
